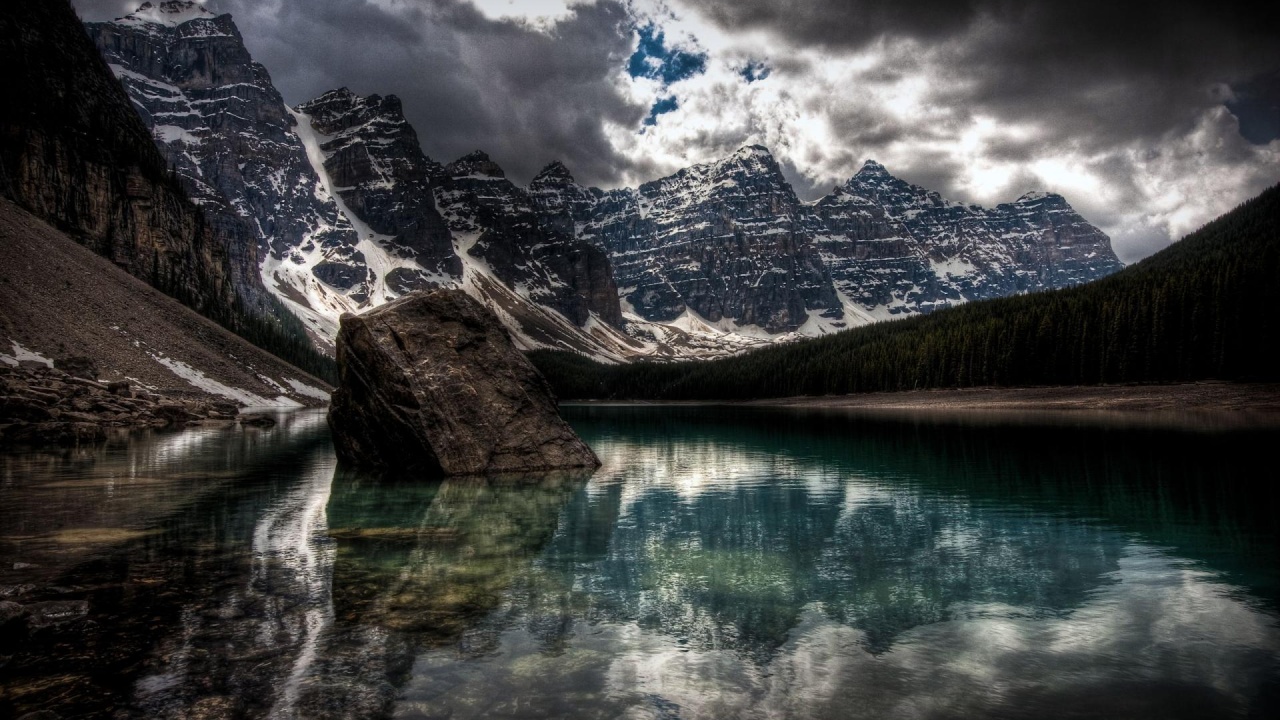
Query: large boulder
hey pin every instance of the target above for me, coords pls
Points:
(431, 382)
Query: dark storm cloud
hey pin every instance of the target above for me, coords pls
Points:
(841, 23)
(1257, 104)
(524, 95)
(1104, 70)
(93, 10)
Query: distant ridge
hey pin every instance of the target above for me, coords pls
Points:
(1203, 308)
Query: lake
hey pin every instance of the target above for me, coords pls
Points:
(723, 563)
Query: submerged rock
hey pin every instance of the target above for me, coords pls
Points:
(432, 382)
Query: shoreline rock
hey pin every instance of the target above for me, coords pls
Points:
(48, 406)
(431, 382)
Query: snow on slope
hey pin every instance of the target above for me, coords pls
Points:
(291, 277)
(171, 12)
(531, 324)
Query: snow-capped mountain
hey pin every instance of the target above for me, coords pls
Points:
(224, 129)
(893, 247)
(729, 243)
(336, 208)
(726, 242)
(372, 156)
(331, 205)
(499, 226)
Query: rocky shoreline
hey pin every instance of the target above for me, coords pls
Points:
(64, 405)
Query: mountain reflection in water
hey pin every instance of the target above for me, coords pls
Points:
(723, 563)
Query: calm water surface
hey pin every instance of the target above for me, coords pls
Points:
(724, 563)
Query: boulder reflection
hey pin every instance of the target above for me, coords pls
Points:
(418, 564)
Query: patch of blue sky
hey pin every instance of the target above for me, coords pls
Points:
(664, 105)
(755, 71)
(654, 60)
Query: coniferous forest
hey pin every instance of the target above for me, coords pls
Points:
(1204, 308)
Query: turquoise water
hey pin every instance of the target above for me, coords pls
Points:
(723, 563)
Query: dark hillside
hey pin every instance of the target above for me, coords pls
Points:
(74, 152)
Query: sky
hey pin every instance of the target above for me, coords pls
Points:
(1150, 118)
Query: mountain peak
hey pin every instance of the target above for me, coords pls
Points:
(755, 150)
(555, 172)
(330, 104)
(873, 169)
(752, 159)
(1038, 195)
(170, 12)
(475, 163)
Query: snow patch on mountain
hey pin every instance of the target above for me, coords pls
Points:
(171, 13)
(21, 354)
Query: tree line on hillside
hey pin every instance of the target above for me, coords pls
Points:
(1203, 308)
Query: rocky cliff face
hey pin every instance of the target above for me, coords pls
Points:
(222, 126)
(372, 157)
(500, 225)
(432, 383)
(464, 225)
(730, 242)
(74, 153)
(897, 247)
(727, 240)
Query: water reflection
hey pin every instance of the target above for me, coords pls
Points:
(742, 564)
(778, 565)
(141, 532)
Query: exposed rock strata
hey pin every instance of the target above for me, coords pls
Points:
(553, 267)
(897, 246)
(727, 240)
(224, 129)
(730, 241)
(377, 167)
(431, 382)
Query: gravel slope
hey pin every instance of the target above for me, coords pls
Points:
(57, 299)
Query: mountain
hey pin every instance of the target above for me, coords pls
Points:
(224, 129)
(894, 247)
(461, 225)
(726, 240)
(346, 212)
(74, 153)
(1197, 310)
(379, 174)
(339, 202)
(730, 242)
(499, 224)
